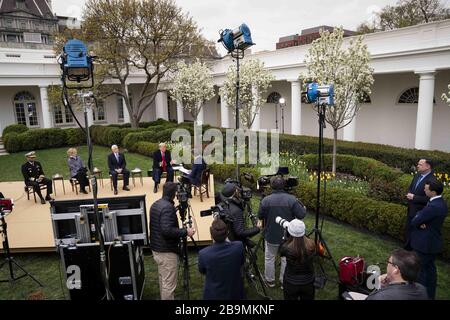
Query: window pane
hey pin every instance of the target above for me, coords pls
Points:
(20, 114)
(120, 107)
(58, 115)
(32, 114)
(69, 117)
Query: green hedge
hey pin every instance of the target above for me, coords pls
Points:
(75, 137)
(402, 158)
(16, 128)
(145, 148)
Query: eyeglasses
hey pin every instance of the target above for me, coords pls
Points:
(393, 264)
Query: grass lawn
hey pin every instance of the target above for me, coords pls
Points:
(55, 161)
(342, 239)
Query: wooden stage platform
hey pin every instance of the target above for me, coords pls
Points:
(30, 227)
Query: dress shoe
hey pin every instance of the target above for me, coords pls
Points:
(42, 201)
(116, 192)
(83, 191)
(126, 188)
(155, 189)
(48, 198)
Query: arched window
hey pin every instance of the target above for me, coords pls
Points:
(274, 97)
(25, 109)
(411, 95)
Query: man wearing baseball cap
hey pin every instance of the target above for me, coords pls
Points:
(34, 176)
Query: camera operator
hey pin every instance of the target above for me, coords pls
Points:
(165, 235)
(235, 209)
(278, 204)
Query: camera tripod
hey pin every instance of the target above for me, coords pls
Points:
(318, 237)
(9, 260)
(252, 272)
(187, 222)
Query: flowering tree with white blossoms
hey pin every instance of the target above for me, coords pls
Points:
(254, 82)
(347, 69)
(193, 86)
(446, 96)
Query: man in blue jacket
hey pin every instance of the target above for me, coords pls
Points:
(426, 238)
(222, 263)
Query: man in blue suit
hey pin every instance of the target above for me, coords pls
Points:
(118, 165)
(417, 199)
(222, 264)
(426, 238)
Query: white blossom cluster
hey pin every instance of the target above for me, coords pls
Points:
(254, 82)
(446, 97)
(346, 68)
(192, 86)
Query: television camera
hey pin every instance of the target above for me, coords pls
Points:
(291, 182)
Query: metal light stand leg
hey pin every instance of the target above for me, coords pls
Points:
(318, 237)
(103, 266)
(10, 260)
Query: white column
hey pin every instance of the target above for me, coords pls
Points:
(296, 107)
(126, 114)
(201, 116)
(257, 122)
(46, 114)
(90, 116)
(224, 112)
(350, 131)
(180, 112)
(162, 111)
(424, 123)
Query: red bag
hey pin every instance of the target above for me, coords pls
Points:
(351, 270)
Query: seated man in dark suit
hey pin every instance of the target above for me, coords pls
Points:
(417, 199)
(399, 281)
(426, 238)
(34, 176)
(162, 162)
(222, 264)
(195, 176)
(118, 165)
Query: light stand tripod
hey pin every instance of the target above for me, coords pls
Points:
(238, 55)
(97, 221)
(318, 237)
(10, 260)
(183, 209)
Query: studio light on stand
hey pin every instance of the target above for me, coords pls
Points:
(78, 73)
(236, 42)
(323, 97)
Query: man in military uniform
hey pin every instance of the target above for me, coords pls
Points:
(34, 176)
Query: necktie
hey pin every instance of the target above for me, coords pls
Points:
(163, 162)
(418, 182)
(117, 157)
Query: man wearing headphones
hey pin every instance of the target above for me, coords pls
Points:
(235, 207)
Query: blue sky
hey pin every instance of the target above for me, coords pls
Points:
(268, 20)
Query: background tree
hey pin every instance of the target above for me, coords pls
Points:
(407, 13)
(446, 96)
(192, 86)
(347, 69)
(254, 83)
(146, 37)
